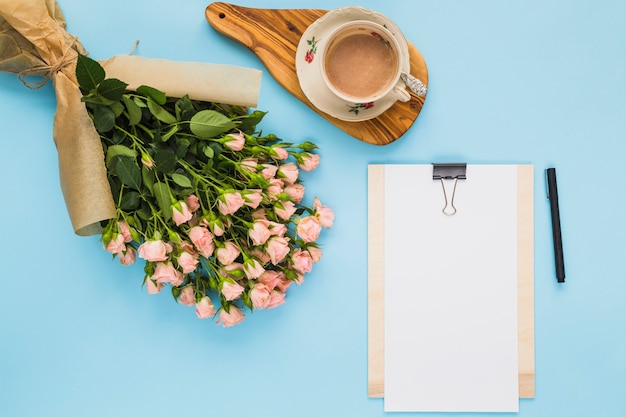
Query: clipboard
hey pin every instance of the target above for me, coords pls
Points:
(376, 280)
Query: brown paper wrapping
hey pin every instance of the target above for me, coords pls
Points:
(33, 41)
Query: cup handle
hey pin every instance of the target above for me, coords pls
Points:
(414, 84)
(401, 94)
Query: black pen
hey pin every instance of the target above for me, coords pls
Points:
(556, 225)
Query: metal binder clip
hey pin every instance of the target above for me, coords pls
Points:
(454, 172)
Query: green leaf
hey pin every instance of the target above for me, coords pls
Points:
(130, 200)
(112, 88)
(134, 111)
(176, 292)
(184, 108)
(209, 124)
(160, 113)
(144, 213)
(127, 171)
(120, 150)
(103, 119)
(117, 108)
(162, 194)
(208, 152)
(165, 160)
(181, 180)
(139, 101)
(89, 73)
(245, 297)
(118, 137)
(97, 100)
(182, 150)
(158, 96)
(148, 178)
(169, 133)
(248, 124)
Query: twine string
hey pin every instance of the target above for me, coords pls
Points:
(47, 71)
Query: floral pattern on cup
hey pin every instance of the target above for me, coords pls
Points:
(310, 53)
(360, 106)
(380, 38)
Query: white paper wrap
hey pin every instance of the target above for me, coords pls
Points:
(218, 83)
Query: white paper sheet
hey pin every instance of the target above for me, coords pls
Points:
(451, 291)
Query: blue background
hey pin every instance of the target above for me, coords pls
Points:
(534, 81)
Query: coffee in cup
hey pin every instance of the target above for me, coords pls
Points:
(361, 63)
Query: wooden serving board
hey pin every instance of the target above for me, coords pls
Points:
(273, 35)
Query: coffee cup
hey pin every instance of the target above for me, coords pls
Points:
(362, 63)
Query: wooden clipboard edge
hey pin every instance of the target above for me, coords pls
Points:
(376, 227)
(376, 281)
(525, 274)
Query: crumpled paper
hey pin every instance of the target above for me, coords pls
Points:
(34, 42)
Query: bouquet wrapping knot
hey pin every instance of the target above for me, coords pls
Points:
(214, 207)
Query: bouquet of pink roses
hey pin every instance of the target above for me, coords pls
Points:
(212, 206)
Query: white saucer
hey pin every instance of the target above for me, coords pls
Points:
(310, 73)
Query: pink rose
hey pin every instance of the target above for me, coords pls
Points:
(285, 209)
(187, 262)
(253, 269)
(309, 229)
(181, 213)
(302, 261)
(187, 296)
(288, 173)
(232, 317)
(205, 308)
(125, 231)
(116, 245)
(187, 247)
(316, 253)
(309, 161)
(271, 278)
(153, 287)
(269, 171)
(231, 290)
(284, 284)
(203, 240)
(229, 203)
(153, 250)
(281, 153)
(252, 198)
(323, 213)
(260, 296)
(276, 298)
(260, 254)
(299, 279)
(235, 141)
(277, 229)
(192, 202)
(277, 249)
(249, 164)
(259, 232)
(275, 188)
(166, 273)
(295, 192)
(217, 227)
(227, 254)
(259, 214)
(147, 160)
(128, 257)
